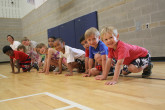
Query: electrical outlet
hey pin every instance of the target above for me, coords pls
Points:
(147, 25)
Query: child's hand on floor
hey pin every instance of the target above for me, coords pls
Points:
(112, 82)
(86, 75)
(69, 74)
(100, 77)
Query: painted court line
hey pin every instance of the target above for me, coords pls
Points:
(3, 76)
(71, 103)
(65, 108)
(20, 97)
(68, 102)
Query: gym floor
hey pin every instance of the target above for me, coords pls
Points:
(37, 91)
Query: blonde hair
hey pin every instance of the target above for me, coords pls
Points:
(91, 31)
(39, 46)
(25, 39)
(109, 30)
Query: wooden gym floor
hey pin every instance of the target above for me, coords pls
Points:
(36, 91)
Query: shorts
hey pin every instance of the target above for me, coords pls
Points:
(25, 65)
(81, 65)
(98, 67)
(139, 62)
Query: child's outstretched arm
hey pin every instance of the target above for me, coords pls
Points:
(86, 64)
(103, 57)
(12, 65)
(118, 68)
(60, 66)
(50, 51)
(106, 70)
(18, 66)
(44, 67)
(90, 66)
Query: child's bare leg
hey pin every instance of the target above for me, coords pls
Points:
(94, 71)
(55, 63)
(132, 68)
(98, 59)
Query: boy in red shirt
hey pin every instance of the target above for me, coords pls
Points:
(134, 58)
(22, 60)
(85, 44)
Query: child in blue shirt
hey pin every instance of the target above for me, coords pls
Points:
(98, 51)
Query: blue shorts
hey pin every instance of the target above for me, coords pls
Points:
(139, 62)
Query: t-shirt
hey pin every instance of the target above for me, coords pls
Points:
(18, 55)
(30, 51)
(31, 47)
(71, 54)
(127, 52)
(101, 49)
(86, 52)
(15, 45)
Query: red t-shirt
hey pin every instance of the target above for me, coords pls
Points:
(18, 55)
(127, 52)
(86, 52)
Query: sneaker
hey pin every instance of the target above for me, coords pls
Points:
(147, 71)
(111, 71)
(56, 69)
(51, 68)
(36, 66)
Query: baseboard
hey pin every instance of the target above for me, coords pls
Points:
(5, 62)
(159, 59)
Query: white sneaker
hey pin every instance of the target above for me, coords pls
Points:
(56, 69)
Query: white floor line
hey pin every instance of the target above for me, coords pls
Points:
(64, 108)
(20, 97)
(3, 76)
(72, 104)
(69, 102)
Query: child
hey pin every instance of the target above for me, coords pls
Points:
(85, 44)
(51, 58)
(134, 58)
(13, 44)
(21, 48)
(22, 60)
(97, 50)
(75, 57)
(51, 41)
(31, 51)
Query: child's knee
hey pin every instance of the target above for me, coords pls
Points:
(97, 57)
(132, 68)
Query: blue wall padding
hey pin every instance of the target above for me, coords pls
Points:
(82, 24)
(67, 33)
(54, 32)
(71, 31)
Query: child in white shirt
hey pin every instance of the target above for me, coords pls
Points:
(75, 57)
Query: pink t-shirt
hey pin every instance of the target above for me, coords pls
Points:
(86, 52)
(127, 52)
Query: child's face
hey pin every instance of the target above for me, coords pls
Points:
(22, 50)
(9, 53)
(9, 39)
(93, 41)
(85, 44)
(51, 42)
(42, 50)
(110, 40)
(26, 43)
(59, 45)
